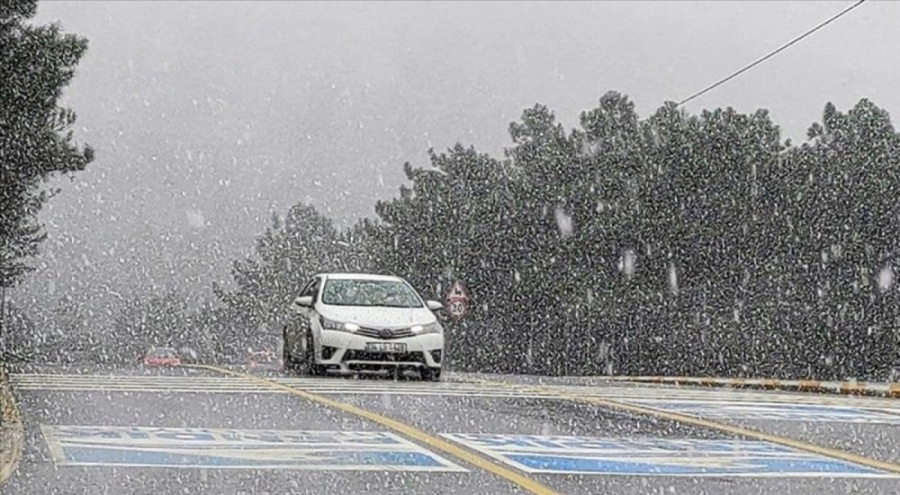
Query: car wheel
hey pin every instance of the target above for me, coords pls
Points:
(431, 374)
(309, 354)
(287, 359)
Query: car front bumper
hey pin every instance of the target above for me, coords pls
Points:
(348, 352)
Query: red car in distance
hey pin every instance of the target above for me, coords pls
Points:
(162, 356)
(266, 360)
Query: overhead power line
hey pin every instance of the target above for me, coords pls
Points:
(772, 54)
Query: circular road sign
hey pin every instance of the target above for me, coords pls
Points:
(457, 308)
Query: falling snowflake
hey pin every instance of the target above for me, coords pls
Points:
(564, 223)
(673, 278)
(626, 263)
(886, 278)
(195, 219)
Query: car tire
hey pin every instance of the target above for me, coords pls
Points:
(287, 359)
(431, 374)
(309, 357)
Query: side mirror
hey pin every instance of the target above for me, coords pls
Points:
(434, 305)
(303, 302)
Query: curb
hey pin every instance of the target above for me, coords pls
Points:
(12, 431)
(842, 388)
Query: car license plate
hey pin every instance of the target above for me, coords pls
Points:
(385, 347)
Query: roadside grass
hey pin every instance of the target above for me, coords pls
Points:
(12, 431)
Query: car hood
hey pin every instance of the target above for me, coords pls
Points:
(378, 316)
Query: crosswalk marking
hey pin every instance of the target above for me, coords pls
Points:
(344, 386)
(177, 384)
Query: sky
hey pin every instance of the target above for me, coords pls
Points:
(207, 117)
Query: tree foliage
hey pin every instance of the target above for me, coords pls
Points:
(36, 142)
(673, 244)
(290, 251)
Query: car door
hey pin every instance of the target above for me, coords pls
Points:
(298, 326)
(313, 322)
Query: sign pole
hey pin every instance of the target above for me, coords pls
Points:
(2, 312)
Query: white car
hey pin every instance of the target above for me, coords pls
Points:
(351, 322)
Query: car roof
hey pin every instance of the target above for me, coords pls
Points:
(361, 276)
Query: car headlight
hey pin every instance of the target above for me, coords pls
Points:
(336, 325)
(429, 328)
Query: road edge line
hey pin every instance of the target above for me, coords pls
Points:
(471, 457)
(886, 389)
(11, 429)
(850, 457)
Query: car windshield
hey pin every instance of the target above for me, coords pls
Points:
(162, 353)
(357, 292)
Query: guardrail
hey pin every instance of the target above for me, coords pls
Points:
(845, 388)
(12, 431)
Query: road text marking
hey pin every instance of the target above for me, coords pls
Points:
(715, 425)
(473, 458)
(658, 456)
(239, 449)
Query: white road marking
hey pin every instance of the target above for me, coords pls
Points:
(162, 384)
(653, 456)
(773, 411)
(222, 448)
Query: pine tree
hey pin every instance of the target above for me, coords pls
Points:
(36, 63)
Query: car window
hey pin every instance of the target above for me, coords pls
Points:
(313, 288)
(305, 290)
(308, 288)
(162, 353)
(356, 292)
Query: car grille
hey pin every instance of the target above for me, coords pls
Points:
(385, 333)
(354, 355)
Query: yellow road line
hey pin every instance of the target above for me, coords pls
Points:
(840, 388)
(715, 425)
(411, 432)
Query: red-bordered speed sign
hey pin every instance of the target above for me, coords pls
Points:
(457, 301)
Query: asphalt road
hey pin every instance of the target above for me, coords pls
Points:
(93, 430)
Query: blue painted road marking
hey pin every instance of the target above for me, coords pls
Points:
(256, 458)
(231, 448)
(771, 411)
(657, 456)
